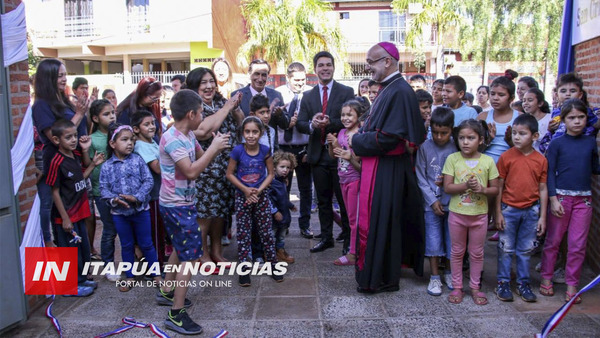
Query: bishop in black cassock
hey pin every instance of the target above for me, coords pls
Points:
(391, 230)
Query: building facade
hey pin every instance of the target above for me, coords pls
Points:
(116, 36)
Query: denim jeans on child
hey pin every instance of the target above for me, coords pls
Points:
(109, 233)
(137, 225)
(437, 235)
(279, 234)
(64, 238)
(518, 238)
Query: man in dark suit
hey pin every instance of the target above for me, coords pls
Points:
(292, 141)
(319, 115)
(259, 73)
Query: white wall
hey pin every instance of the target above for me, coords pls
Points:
(362, 27)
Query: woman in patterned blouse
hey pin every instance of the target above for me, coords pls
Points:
(215, 195)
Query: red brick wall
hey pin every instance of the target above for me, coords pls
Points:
(19, 100)
(587, 63)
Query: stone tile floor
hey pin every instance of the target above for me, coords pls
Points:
(318, 299)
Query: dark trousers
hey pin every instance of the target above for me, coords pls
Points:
(304, 180)
(63, 240)
(327, 183)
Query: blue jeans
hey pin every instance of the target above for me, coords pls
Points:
(137, 225)
(519, 236)
(279, 234)
(437, 235)
(45, 194)
(83, 248)
(109, 233)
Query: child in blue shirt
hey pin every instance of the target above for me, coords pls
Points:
(250, 170)
(142, 122)
(284, 163)
(431, 157)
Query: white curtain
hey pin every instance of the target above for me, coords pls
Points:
(14, 36)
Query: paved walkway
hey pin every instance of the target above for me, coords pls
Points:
(318, 299)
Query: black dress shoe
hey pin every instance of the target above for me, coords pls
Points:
(306, 233)
(319, 236)
(341, 237)
(322, 246)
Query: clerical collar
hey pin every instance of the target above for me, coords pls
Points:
(254, 92)
(390, 76)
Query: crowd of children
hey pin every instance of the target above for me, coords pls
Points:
(526, 174)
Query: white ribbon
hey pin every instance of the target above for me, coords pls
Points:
(20, 155)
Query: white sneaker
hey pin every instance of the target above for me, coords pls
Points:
(559, 276)
(113, 278)
(225, 241)
(435, 287)
(538, 267)
(448, 280)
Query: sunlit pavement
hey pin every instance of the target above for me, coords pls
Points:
(318, 299)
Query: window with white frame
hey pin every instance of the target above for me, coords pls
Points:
(79, 18)
(137, 16)
(392, 27)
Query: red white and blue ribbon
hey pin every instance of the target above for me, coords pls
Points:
(221, 334)
(130, 323)
(558, 316)
(52, 318)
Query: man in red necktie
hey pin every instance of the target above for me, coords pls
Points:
(320, 115)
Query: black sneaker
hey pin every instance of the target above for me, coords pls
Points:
(167, 298)
(524, 290)
(503, 292)
(276, 278)
(182, 323)
(244, 280)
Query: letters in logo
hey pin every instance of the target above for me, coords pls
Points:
(50, 271)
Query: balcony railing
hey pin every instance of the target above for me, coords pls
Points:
(79, 26)
(162, 77)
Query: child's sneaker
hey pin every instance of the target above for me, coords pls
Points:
(89, 283)
(225, 241)
(448, 281)
(559, 276)
(182, 323)
(259, 260)
(166, 299)
(275, 277)
(435, 286)
(282, 256)
(113, 277)
(524, 290)
(503, 292)
(244, 280)
(313, 207)
(82, 291)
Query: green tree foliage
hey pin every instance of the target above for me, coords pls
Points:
(32, 59)
(511, 29)
(287, 31)
(439, 13)
(492, 29)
